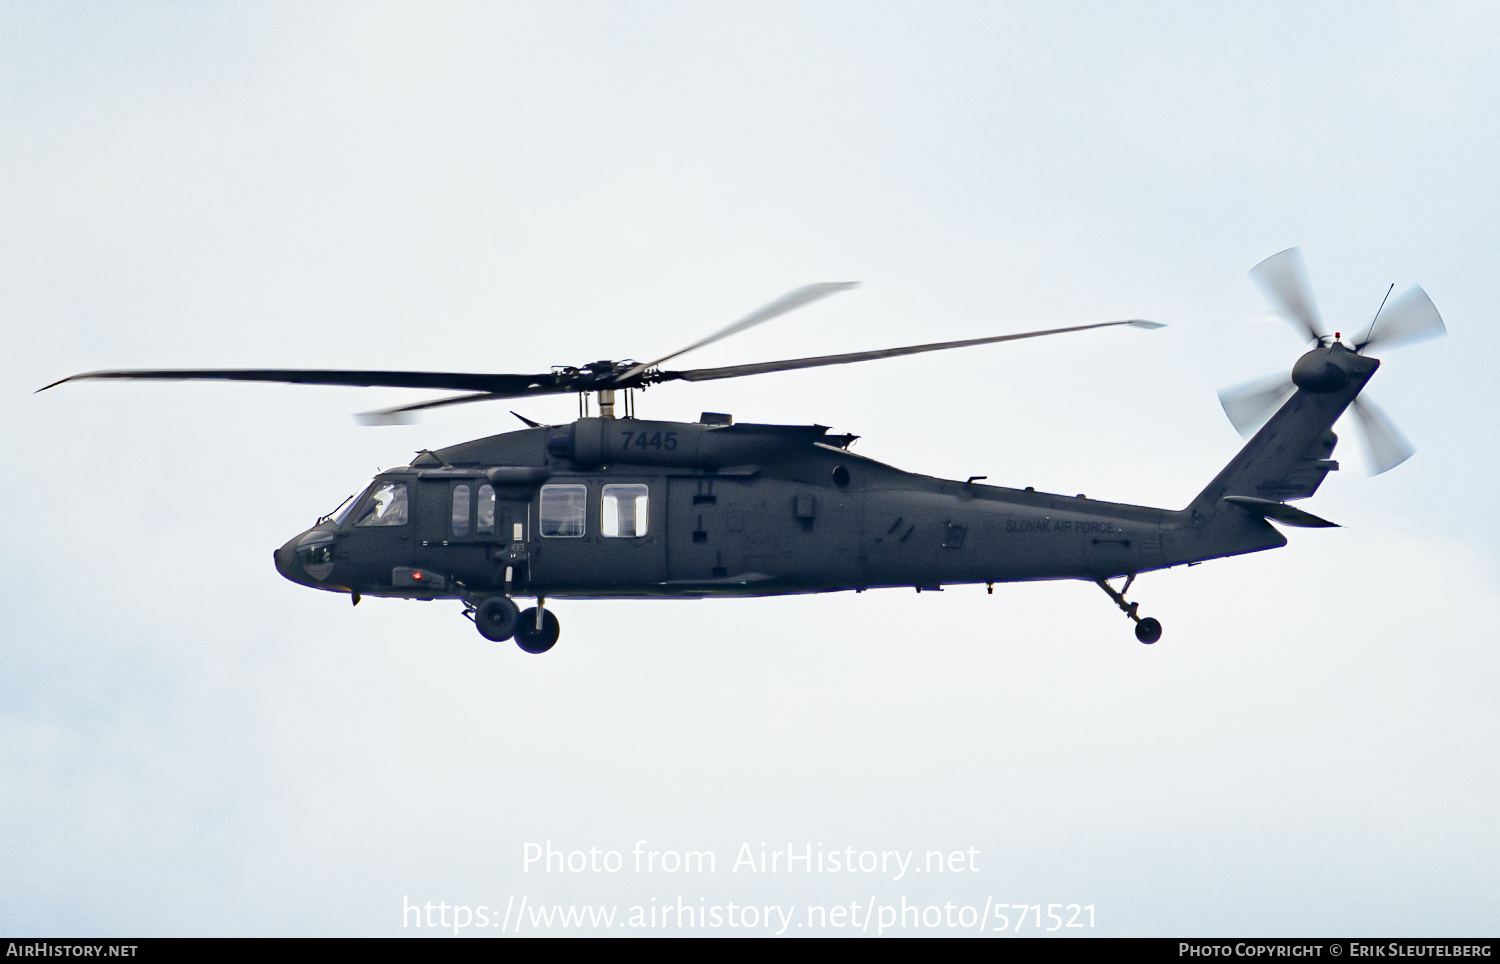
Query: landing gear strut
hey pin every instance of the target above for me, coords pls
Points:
(497, 618)
(1147, 630)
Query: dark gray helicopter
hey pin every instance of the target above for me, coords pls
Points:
(619, 507)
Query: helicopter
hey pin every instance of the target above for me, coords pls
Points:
(617, 506)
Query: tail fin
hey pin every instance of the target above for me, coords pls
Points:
(1287, 459)
(1291, 454)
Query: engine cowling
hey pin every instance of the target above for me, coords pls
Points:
(591, 442)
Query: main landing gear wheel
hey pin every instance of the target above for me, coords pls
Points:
(1147, 630)
(496, 618)
(534, 640)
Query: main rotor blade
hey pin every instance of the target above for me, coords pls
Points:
(734, 371)
(1386, 445)
(455, 381)
(1283, 278)
(1249, 405)
(790, 301)
(1410, 318)
(401, 414)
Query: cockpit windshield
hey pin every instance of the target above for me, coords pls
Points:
(343, 511)
(386, 506)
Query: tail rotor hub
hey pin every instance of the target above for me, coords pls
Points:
(1320, 370)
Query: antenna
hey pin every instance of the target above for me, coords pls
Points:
(1376, 319)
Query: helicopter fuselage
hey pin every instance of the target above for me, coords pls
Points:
(630, 508)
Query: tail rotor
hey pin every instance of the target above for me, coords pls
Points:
(1409, 319)
(1384, 443)
(1412, 317)
(1283, 279)
(1251, 404)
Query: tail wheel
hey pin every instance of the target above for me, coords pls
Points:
(497, 618)
(533, 640)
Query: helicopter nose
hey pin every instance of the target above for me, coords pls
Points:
(286, 560)
(307, 559)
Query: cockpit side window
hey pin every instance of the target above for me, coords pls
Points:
(624, 511)
(460, 510)
(563, 511)
(386, 506)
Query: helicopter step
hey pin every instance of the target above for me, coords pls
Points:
(1147, 630)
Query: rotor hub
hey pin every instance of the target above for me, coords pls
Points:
(1322, 370)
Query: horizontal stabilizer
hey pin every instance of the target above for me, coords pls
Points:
(1280, 512)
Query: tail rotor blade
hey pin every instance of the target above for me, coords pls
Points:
(1249, 405)
(1410, 318)
(1283, 278)
(1386, 445)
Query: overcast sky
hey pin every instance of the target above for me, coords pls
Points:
(189, 744)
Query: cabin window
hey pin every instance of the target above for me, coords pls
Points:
(624, 514)
(564, 511)
(386, 506)
(486, 515)
(460, 510)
